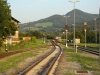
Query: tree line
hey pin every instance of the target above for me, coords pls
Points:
(90, 35)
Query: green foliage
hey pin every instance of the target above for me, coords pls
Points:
(6, 25)
(50, 36)
(78, 34)
(23, 45)
(34, 39)
(45, 24)
(87, 62)
(12, 62)
(59, 22)
(37, 34)
(91, 36)
(4, 11)
(0, 42)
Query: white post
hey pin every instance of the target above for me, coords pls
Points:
(74, 22)
(44, 39)
(66, 38)
(85, 28)
(76, 48)
(85, 37)
(95, 31)
(99, 39)
(6, 46)
(66, 28)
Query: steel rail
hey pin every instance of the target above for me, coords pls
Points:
(35, 63)
(88, 50)
(27, 69)
(92, 50)
(51, 63)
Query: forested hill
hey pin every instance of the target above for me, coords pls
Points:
(81, 16)
(58, 21)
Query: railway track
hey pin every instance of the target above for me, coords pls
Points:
(44, 65)
(3, 55)
(95, 52)
(92, 50)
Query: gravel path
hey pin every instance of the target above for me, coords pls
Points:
(38, 67)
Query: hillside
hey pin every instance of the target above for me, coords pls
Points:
(81, 16)
(58, 21)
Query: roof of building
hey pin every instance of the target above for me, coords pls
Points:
(15, 20)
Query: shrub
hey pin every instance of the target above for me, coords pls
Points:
(1, 42)
(34, 39)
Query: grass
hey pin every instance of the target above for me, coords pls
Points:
(86, 61)
(39, 26)
(46, 24)
(23, 46)
(90, 44)
(13, 61)
(70, 74)
(31, 28)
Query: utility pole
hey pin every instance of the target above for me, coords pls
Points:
(74, 22)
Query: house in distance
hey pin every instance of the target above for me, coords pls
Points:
(14, 39)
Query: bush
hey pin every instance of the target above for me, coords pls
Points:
(20, 38)
(34, 39)
(1, 42)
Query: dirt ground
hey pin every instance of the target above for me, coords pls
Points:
(70, 68)
(65, 67)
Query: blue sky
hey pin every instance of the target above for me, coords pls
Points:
(33, 10)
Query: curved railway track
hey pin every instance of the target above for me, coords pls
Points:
(45, 64)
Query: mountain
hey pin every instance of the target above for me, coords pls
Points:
(81, 16)
(58, 21)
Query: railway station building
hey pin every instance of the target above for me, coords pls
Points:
(14, 39)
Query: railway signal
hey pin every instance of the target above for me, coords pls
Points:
(66, 28)
(95, 31)
(85, 28)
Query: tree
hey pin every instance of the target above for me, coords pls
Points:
(37, 34)
(90, 36)
(34, 39)
(7, 27)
